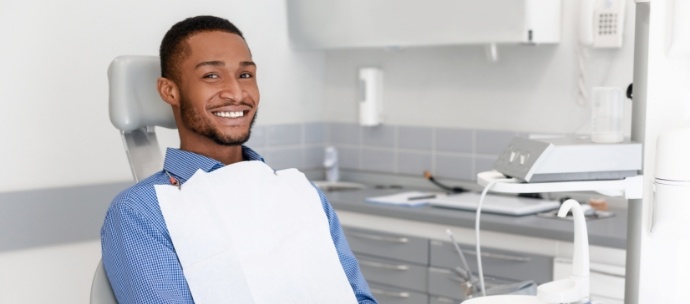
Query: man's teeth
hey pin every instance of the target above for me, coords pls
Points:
(230, 114)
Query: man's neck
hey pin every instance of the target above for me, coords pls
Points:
(224, 154)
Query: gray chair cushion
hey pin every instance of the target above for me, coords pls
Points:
(134, 99)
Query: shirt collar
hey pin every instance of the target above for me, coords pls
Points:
(183, 164)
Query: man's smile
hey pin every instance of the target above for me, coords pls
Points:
(229, 114)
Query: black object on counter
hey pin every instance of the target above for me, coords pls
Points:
(456, 189)
(531, 195)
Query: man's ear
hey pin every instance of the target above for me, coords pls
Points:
(168, 91)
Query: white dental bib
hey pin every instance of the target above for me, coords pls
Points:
(247, 234)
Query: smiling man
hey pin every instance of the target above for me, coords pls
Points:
(209, 80)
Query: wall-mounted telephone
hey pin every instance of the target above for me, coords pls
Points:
(602, 23)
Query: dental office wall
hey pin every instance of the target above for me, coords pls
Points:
(529, 89)
(464, 108)
(54, 119)
(53, 92)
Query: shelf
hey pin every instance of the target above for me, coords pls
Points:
(630, 187)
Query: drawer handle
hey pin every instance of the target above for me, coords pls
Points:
(444, 300)
(606, 273)
(381, 292)
(384, 266)
(390, 239)
(499, 256)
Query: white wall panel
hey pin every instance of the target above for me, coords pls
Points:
(55, 274)
(53, 86)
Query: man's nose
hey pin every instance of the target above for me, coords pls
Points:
(232, 90)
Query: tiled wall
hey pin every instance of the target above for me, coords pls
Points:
(291, 145)
(405, 150)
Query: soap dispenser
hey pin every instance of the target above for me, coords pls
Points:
(371, 96)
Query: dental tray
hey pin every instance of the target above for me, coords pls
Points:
(500, 204)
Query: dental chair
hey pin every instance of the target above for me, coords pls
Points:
(135, 109)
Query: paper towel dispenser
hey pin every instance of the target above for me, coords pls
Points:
(333, 24)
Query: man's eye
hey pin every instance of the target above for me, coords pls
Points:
(245, 75)
(211, 76)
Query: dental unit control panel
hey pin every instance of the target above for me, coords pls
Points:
(568, 159)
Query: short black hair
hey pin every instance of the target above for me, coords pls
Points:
(174, 47)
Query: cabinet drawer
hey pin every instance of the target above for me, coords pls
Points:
(390, 246)
(393, 273)
(447, 284)
(496, 263)
(393, 295)
(442, 300)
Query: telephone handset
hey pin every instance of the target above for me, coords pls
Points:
(602, 23)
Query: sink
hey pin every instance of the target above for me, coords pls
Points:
(327, 186)
(505, 299)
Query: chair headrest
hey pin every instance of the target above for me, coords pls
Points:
(134, 100)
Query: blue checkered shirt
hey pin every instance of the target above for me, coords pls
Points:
(138, 254)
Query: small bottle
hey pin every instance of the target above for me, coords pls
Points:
(330, 163)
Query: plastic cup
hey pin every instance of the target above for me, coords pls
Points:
(607, 115)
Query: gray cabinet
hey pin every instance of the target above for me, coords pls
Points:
(395, 266)
(407, 269)
(500, 267)
(393, 295)
(499, 264)
(442, 300)
(390, 246)
(395, 273)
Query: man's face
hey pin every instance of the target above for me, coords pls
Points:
(219, 95)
